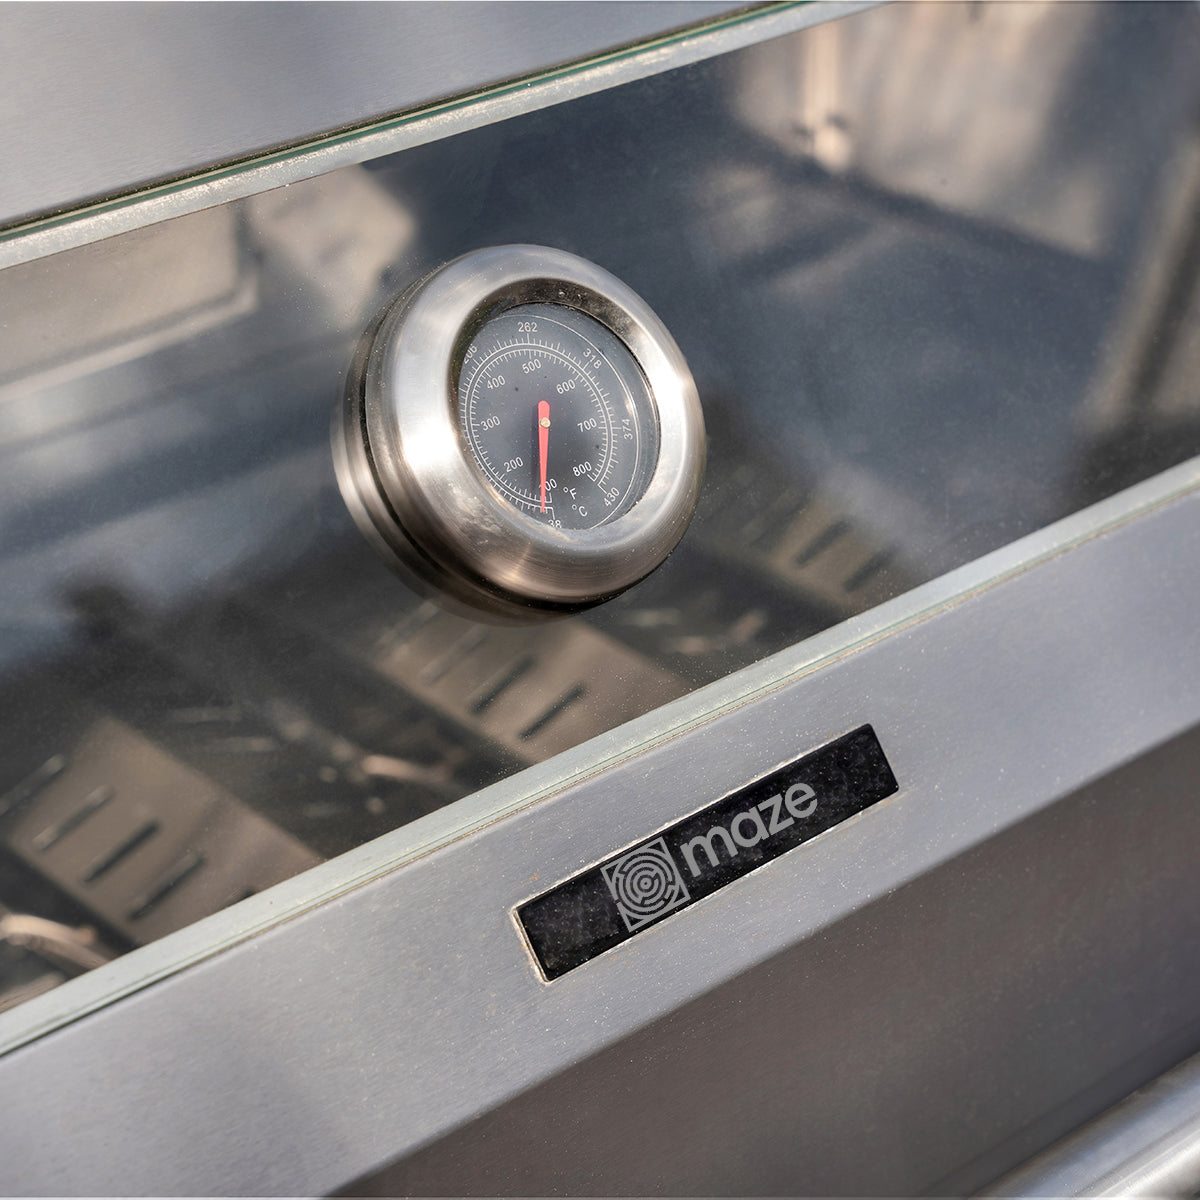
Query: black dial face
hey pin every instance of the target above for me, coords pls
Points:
(558, 415)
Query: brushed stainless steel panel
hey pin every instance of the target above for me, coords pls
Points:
(998, 999)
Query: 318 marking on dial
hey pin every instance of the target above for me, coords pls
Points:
(557, 415)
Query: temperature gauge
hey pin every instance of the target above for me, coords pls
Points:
(522, 434)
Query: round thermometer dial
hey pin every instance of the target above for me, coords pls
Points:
(520, 435)
(558, 415)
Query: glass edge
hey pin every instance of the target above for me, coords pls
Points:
(52, 233)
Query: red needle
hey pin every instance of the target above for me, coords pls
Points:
(543, 443)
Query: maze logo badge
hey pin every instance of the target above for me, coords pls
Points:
(645, 883)
(711, 848)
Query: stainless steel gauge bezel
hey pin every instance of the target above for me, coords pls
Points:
(410, 480)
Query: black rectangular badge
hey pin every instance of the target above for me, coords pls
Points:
(639, 887)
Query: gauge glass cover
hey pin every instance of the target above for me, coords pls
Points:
(520, 436)
(557, 415)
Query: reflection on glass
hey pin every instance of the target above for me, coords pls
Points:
(935, 271)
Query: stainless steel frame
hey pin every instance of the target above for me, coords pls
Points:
(376, 1023)
(354, 1027)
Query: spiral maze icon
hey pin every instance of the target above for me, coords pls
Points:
(645, 883)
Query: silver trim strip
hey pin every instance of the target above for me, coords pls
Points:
(1148, 1145)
